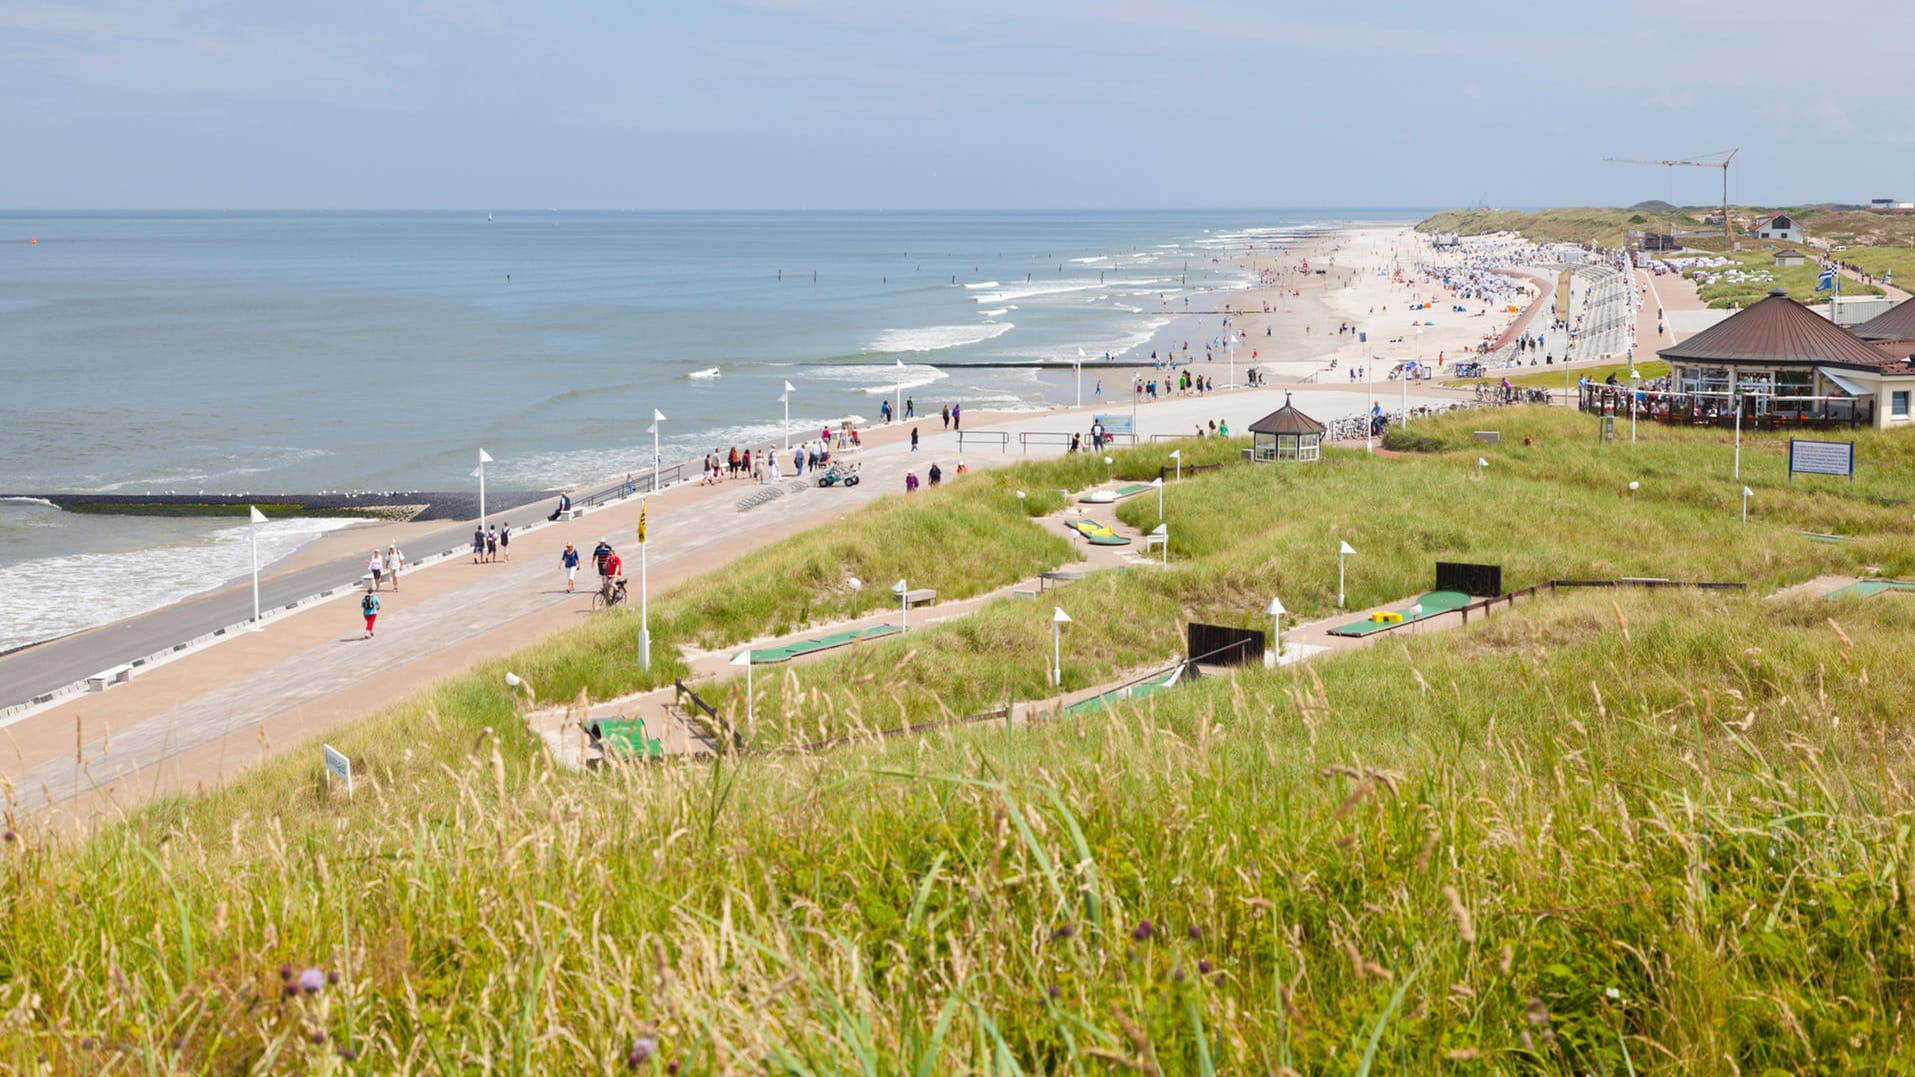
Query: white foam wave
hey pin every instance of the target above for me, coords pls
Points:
(877, 379)
(1038, 291)
(1088, 261)
(983, 284)
(53, 596)
(931, 338)
(995, 313)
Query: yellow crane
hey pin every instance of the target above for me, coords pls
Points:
(1728, 230)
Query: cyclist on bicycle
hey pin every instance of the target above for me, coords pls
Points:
(614, 578)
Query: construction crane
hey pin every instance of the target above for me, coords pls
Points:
(1728, 230)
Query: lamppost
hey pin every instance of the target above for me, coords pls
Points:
(904, 605)
(657, 418)
(786, 401)
(743, 658)
(1635, 394)
(1079, 367)
(1369, 416)
(1343, 551)
(1480, 465)
(1276, 612)
(1058, 620)
(1020, 501)
(644, 593)
(252, 536)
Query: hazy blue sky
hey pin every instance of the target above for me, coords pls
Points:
(878, 103)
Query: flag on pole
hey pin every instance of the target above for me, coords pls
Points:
(1827, 280)
(484, 457)
(641, 522)
(258, 517)
(790, 388)
(658, 416)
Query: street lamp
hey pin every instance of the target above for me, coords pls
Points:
(857, 588)
(1343, 551)
(904, 605)
(1178, 455)
(743, 658)
(786, 401)
(1276, 612)
(1635, 394)
(1369, 416)
(252, 536)
(1058, 620)
(657, 418)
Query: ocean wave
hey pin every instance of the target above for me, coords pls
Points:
(983, 284)
(53, 596)
(1093, 258)
(995, 313)
(1038, 291)
(877, 379)
(933, 338)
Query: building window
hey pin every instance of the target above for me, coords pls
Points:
(1898, 404)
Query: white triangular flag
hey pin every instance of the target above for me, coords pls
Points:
(258, 517)
(1345, 548)
(658, 416)
(484, 457)
(790, 388)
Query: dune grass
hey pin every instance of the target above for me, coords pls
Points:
(1658, 832)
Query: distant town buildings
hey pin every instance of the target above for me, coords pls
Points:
(1889, 204)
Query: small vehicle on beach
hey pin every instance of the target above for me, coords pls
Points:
(840, 475)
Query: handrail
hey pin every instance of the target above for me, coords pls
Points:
(698, 704)
(1002, 437)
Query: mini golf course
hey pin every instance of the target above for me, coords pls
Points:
(1430, 605)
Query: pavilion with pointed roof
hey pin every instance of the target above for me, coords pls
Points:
(1791, 361)
(1286, 434)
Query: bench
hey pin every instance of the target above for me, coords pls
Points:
(920, 596)
(1489, 437)
(571, 514)
(107, 678)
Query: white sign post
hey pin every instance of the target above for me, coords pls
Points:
(1161, 536)
(1276, 631)
(657, 417)
(1343, 551)
(786, 400)
(337, 765)
(1178, 455)
(484, 459)
(1058, 620)
(743, 658)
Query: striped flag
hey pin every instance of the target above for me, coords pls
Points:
(1826, 281)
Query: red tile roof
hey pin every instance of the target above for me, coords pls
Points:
(1777, 331)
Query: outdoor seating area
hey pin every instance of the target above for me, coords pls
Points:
(1718, 409)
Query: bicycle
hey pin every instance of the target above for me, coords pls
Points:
(610, 594)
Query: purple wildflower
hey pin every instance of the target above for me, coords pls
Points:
(319, 1037)
(1195, 932)
(1178, 975)
(1144, 930)
(1063, 931)
(1203, 966)
(348, 1054)
(643, 1048)
(333, 977)
(311, 980)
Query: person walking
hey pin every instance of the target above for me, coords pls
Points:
(937, 475)
(491, 544)
(478, 544)
(910, 409)
(599, 553)
(395, 560)
(910, 482)
(569, 559)
(914, 439)
(957, 415)
(369, 607)
(376, 567)
(505, 539)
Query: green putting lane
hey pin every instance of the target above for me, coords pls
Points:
(761, 656)
(1119, 494)
(1433, 603)
(1107, 540)
(1111, 699)
(1865, 588)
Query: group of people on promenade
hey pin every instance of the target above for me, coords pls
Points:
(1183, 383)
(935, 475)
(492, 543)
(382, 567)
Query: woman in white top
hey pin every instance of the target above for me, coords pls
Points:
(376, 567)
(394, 562)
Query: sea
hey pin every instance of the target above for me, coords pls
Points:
(297, 352)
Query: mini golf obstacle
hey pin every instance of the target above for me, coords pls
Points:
(1108, 497)
(622, 738)
(1149, 686)
(1429, 605)
(801, 648)
(1866, 588)
(1096, 534)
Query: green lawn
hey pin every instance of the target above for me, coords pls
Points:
(1762, 276)
(1877, 260)
(1608, 832)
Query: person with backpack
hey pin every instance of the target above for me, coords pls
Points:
(376, 568)
(478, 544)
(505, 539)
(369, 606)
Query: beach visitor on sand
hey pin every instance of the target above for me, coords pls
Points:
(569, 559)
(395, 561)
(376, 567)
(369, 606)
(957, 416)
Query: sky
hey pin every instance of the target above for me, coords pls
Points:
(893, 104)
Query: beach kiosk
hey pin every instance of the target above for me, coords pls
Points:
(1286, 434)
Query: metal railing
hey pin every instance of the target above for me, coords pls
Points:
(699, 706)
(1000, 437)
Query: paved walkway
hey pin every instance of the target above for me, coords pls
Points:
(203, 717)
